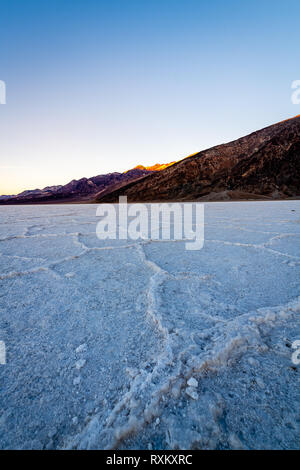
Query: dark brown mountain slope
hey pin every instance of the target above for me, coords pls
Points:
(263, 164)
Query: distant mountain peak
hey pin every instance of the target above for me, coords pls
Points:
(155, 167)
(264, 164)
(82, 190)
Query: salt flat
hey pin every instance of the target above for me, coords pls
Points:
(102, 336)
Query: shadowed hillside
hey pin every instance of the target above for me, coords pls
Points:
(264, 164)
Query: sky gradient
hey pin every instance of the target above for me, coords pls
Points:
(101, 86)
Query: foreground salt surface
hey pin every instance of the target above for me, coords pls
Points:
(102, 337)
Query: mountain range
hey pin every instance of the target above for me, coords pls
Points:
(83, 190)
(262, 165)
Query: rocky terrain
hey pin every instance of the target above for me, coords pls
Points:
(263, 165)
(82, 190)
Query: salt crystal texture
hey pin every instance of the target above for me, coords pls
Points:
(192, 382)
(152, 316)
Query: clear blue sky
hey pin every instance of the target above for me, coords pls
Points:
(95, 86)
